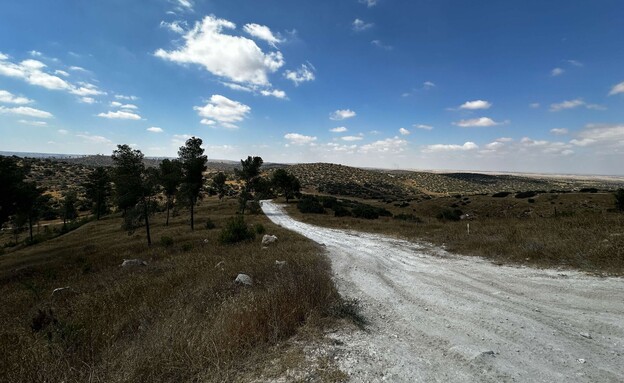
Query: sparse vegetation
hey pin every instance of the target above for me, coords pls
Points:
(236, 230)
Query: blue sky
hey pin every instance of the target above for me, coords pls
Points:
(535, 86)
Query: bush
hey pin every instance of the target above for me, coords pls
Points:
(589, 190)
(619, 199)
(501, 194)
(450, 215)
(310, 204)
(259, 229)
(341, 211)
(365, 211)
(254, 207)
(166, 241)
(210, 225)
(187, 247)
(408, 218)
(526, 194)
(236, 230)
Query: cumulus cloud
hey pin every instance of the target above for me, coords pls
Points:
(600, 134)
(299, 139)
(26, 111)
(351, 138)
(450, 148)
(341, 114)
(274, 92)
(404, 132)
(389, 145)
(476, 105)
(359, 25)
(559, 131)
(223, 111)
(557, 72)
(236, 58)
(477, 122)
(33, 123)
(572, 104)
(88, 100)
(120, 115)
(303, 74)
(128, 98)
(617, 89)
(262, 32)
(154, 129)
(340, 129)
(369, 3)
(423, 126)
(8, 98)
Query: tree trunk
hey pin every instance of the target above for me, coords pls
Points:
(192, 213)
(168, 204)
(147, 227)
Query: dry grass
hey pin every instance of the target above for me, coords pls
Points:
(575, 230)
(179, 319)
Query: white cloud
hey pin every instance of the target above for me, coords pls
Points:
(476, 105)
(504, 139)
(128, 98)
(369, 3)
(184, 4)
(494, 145)
(423, 126)
(428, 85)
(262, 32)
(154, 129)
(477, 122)
(340, 129)
(450, 148)
(571, 104)
(617, 89)
(534, 105)
(389, 145)
(8, 98)
(86, 89)
(115, 104)
(120, 115)
(128, 106)
(359, 25)
(302, 74)
(223, 111)
(33, 123)
(26, 111)
(93, 139)
(381, 45)
(61, 72)
(404, 132)
(559, 131)
(174, 26)
(274, 92)
(351, 138)
(87, 100)
(575, 63)
(233, 57)
(599, 134)
(342, 114)
(35, 53)
(77, 69)
(299, 139)
(557, 72)
(63, 131)
(239, 87)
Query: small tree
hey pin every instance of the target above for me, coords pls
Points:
(134, 186)
(286, 184)
(170, 177)
(11, 180)
(68, 208)
(619, 199)
(97, 190)
(30, 203)
(249, 173)
(219, 185)
(193, 161)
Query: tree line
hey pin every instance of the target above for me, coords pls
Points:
(131, 188)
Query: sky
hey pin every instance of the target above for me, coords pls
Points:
(484, 85)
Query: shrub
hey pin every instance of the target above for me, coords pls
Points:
(619, 199)
(259, 229)
(166, 241)
(365, 211)
(236, 230)
(526, 194)
(187, 247)
(254, 207)
(531, 200)
(501, 194)
(210, 225)
(589, 190)
(341, 211)
(329, 202)
(310, 204)
(408, 218)
(449, 215)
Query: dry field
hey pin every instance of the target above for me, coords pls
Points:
(178, 319)
(567, 230)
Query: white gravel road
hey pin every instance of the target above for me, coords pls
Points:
(435, 317)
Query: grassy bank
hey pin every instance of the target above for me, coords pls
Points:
(569, 230)
(180, 318)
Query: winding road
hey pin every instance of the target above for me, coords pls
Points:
(439, 317)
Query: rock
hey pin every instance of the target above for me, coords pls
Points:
(59, 290)
(280, 264)
(243, 279)
(581, 361)
(268, 239)
(585, 335)
(133, 262)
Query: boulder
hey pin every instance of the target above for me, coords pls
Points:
(280, 264)
(268, 239)
(243, 279)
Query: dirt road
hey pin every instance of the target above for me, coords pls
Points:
(438, 317)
